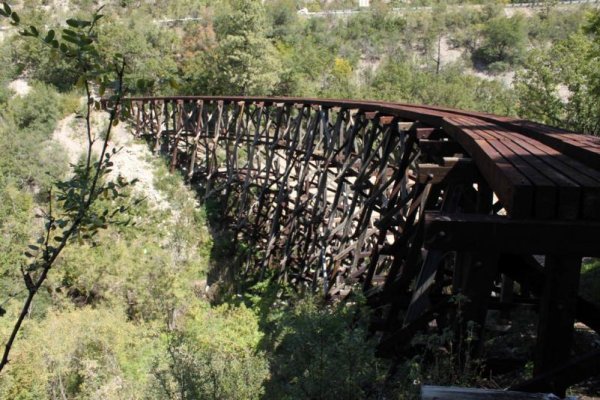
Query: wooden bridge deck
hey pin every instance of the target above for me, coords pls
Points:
(413, 204)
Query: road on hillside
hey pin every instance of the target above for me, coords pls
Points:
(402, 10)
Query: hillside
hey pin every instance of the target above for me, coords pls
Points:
(155, 303)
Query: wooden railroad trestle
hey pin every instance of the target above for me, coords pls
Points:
(412, 204)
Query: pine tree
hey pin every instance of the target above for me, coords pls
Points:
(244, 62)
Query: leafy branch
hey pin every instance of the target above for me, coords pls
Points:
(71, 213)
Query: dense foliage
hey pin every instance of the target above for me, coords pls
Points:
(137, 313)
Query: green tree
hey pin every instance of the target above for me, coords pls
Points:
(339, 81)
(148, 50)
(35, 59)
(283, 18)
(245, 61)
(84, 353)
(70, 214)
(560, 86)
(213, 355)
(322, 353)
(398, 80)
(32, 159)
(153, 279)
(504, 41)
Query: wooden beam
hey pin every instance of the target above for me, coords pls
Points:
(440, 148)
(458, 393)
(568, 374)
(526, 270)
(474, 274)
(503, 235)
(460, 171)
(557, 315)
(511, 186)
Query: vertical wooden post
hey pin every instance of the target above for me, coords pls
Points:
(138, 123)
(175, 116)
(198, 129)
(141, 116)
(557, 315)
(178, 124)
(157, 146)
(475, 276)
(506, 296)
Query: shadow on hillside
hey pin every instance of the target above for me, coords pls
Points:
(226, 255)
(225, 276)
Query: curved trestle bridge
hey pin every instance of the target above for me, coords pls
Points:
(413, 204)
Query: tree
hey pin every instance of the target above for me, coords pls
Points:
(323, 353)
(213, 356)
(70, 214)
(339, 81)
(561, 86)
(35, 58)
(34, 157)
(283, 18)
(148, 50)
(504, 41)
(244, 62)
(100, 355)
(398, 80)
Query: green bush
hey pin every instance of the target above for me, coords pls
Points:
(16, 226)
(504, 41)
(70, 103)
(557, 24)
(5, 93)
(32, 58)
(213, 356)
(398, 80)
(322, 352)
(81, 354)
(590, 281)
(37, 112)
(31, 157)
(499, 67)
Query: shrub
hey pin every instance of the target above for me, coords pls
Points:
(83, 354)
(37, 112)
(504, 40)
(213, 355)
(590, 281)
(70, 103)
(30, 156)
(323, 353)
(498, 67)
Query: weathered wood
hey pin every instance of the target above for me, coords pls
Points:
(330, 193)
(474, 273)
(565, 375)
(529, 273)
(545, 195)
(504, 235)
(560, 141)
(440, 148)
(557, 314)
(512, 187)
(459, 393)
(420, 301)
(459, 171)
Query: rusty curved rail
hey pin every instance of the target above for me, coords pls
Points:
(411, 203)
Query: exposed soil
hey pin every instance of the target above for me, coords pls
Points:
(130, 161)
(20, 87)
